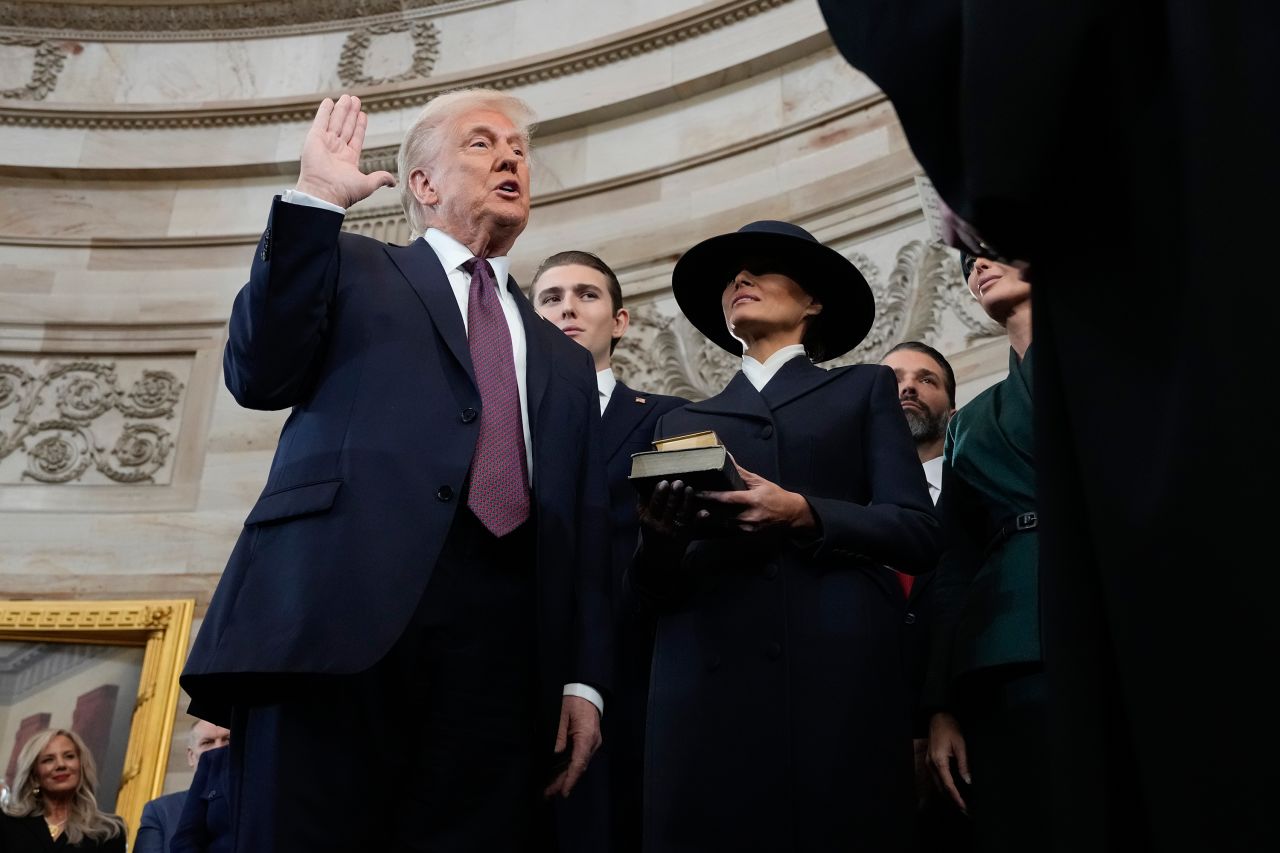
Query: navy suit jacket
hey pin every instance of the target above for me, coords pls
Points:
(627, 427)
(204, 824)
(158, 823)
(366, 343)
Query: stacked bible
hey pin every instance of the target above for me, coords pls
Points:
(697, 459)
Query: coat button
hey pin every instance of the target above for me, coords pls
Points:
(767, 432)
(771, 571)
(774, 651)
(444, 493)
(713, 663)
(910, 619)
(468, 415)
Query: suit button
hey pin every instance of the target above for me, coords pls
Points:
(713, 663)
(468, 415)
(774, 651)
(910, 619)
(771, 571)
(444, 493)
(767, 432)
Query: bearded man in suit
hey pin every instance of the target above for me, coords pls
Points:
(581, 295)
(427, 566)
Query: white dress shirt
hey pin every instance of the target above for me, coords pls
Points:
(933, 473)
(606, 382)
(453, 255)
(759, 374)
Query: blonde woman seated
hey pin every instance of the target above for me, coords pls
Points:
(53, 806)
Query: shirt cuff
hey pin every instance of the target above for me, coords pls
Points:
(587, 692)
(297, 197)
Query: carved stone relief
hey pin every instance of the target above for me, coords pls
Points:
(183, 18)
(387, 224)
(355, 52)
(561, 64)
(87, 421)
(46, 66)
(663, 353)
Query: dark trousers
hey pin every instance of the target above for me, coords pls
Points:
(1002, 715)
(604, 814)
(435, 748)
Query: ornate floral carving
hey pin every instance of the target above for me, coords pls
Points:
(141, 450)
(49, 58)
(62, 449)
(63, 454)
(667, 355)
(355, 52)
(152, 396)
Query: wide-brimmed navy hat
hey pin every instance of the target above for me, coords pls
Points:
(848, 307)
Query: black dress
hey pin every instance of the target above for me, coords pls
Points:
(31, 835)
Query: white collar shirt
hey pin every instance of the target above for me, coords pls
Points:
(933, 473)
(759, 374)
(606, 382)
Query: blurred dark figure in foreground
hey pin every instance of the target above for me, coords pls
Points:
(1116, 151)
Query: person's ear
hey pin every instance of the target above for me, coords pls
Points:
(422, 188)
(814, 309)
(621, 320)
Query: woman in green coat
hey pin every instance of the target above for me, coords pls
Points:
(986, 688)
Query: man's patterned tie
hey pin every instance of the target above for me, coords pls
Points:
(499, 494)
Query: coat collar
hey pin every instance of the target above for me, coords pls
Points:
(537, 354)
(796, 378)
(739, 398)
(420, 266)
(36, 826)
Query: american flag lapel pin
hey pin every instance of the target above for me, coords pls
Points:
(639, 399)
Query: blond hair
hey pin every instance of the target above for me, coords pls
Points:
(85, 819)
(423, 143)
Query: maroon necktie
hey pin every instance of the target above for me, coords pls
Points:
(499, 494)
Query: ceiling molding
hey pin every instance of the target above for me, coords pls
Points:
(597, 54)
(144, 22)
(359, 214)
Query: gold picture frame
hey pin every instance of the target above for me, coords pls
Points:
(161, 629)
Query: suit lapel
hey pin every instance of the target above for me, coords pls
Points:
(621, 417)
(537, 353)
(422, 269)
(738, 399)
(794, 379)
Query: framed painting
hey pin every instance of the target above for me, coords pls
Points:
(107, 670)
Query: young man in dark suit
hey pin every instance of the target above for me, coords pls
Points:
(580, 294)
(160, 816)
(427, 568)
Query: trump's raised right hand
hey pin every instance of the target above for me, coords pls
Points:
(330, 168)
